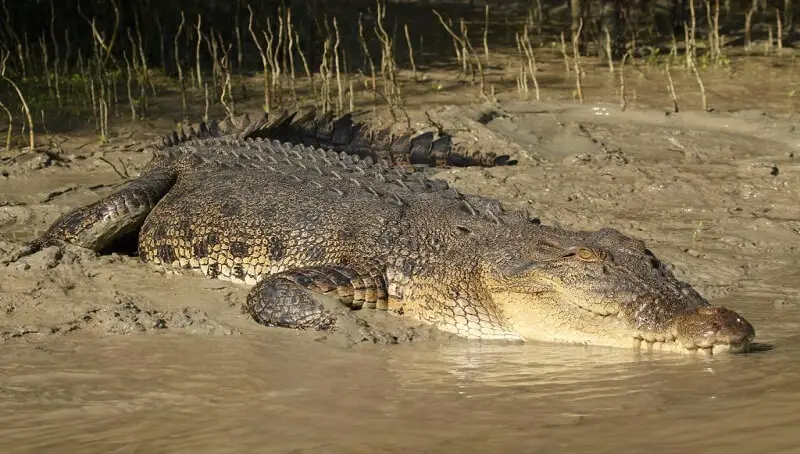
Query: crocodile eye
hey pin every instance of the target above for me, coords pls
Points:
(587, 255)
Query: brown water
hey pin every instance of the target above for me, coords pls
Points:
(277, 392)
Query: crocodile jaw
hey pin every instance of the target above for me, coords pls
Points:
(710, 330)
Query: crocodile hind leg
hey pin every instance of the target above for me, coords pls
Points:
(297, 298)
(98, 225)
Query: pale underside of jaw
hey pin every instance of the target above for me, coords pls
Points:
(638, 343)
(553, 321)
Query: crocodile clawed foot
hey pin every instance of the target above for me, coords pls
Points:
(15, 253)
(280, 303)
(42, 254)
(311, 299)
(318, 297)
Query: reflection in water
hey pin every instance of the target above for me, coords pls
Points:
(279, 393)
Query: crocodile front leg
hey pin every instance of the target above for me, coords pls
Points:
(98, 225)
(289, 299)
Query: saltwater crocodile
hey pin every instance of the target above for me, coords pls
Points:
(297, 221)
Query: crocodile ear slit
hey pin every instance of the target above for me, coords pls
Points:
(521, 269)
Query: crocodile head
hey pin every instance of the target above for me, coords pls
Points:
(604, 288)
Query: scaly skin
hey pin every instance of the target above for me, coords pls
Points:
(294, 222)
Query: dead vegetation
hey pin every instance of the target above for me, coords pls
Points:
(119, 60)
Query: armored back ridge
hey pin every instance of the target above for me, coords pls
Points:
(309, 206)
(342, 134)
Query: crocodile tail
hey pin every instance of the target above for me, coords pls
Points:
(189, 133)
(343, 134)
(236, 128)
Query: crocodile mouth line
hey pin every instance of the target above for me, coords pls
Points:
(643, 345)
(671, 343)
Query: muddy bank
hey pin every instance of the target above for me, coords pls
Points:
(712, 193)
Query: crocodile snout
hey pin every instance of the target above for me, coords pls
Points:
(711, 327)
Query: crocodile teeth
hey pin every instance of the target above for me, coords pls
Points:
(637, 343)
